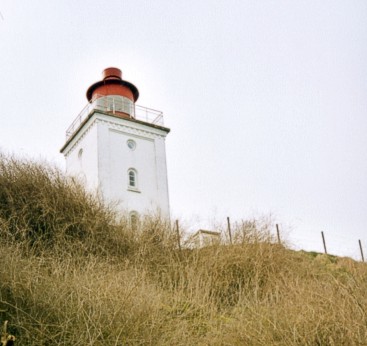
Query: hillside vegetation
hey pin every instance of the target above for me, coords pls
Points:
(74, 273)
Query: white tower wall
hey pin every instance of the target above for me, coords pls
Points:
(81, 156)
(99, 155)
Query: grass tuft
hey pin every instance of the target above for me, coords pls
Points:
(73, 272)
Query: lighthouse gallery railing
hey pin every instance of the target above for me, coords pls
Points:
(115, 105)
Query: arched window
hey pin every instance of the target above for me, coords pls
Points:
(132, 179)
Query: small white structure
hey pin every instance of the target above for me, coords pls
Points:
(205, 238)
(118, 148)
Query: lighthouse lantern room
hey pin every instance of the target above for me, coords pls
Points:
(118, 148)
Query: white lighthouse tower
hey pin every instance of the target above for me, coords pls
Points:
(118, 148)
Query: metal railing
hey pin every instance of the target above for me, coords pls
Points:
(116, 105)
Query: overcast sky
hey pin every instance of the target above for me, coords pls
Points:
(266, 100)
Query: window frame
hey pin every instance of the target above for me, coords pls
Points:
(131, 144)
(132, 176)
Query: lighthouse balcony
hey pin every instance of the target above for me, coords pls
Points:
(115, 105)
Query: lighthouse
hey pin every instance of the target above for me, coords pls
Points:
(117, 148)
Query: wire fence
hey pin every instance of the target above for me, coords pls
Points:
(328, 242)
(311, 240)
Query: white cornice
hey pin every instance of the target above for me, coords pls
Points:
(116, 124)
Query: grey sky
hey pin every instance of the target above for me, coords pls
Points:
(266, 100)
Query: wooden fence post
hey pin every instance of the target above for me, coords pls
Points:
(178, 236)
(229, 229)
(360, 247)
(278, 234)
(323, 240)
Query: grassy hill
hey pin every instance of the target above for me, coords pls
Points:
(70, 274)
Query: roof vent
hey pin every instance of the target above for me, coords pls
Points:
(111, 73)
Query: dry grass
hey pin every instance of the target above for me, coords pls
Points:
(70, 275)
